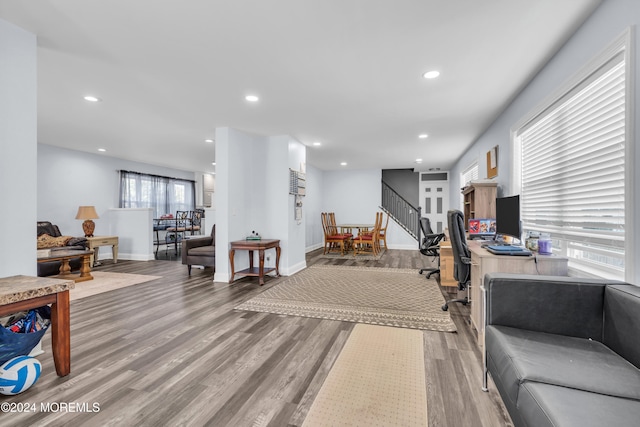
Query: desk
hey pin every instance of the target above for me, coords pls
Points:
(64, 256)
(255, 245)
(483, 262)
(446, 264)
(20, 293)
(95, 242)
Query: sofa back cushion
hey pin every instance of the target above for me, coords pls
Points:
(622, 321)
(45, 227)
(552, 304)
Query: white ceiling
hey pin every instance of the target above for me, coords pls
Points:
(345, 73)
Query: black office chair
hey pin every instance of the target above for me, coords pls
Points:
(461, 255)
(429, 245)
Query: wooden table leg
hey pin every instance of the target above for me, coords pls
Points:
(277, 261)
(61, 334)
(65, 268)
(261, 267)
(233, 271)
(85, 269)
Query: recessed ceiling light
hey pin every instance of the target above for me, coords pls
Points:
(423, 136)
(418, 160)
(431, 74)
(209, 140)
(213, 163)
(251, 98)
(91, 98)
(317, 144)
(343, 164)
(102, 150)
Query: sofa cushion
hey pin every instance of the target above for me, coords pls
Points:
(520, 355)
(622, 321)
(542, 405)
(209, 251)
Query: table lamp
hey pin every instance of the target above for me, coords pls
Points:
(88, 213)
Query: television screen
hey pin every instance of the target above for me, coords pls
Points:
(508, 216)
(482, 227)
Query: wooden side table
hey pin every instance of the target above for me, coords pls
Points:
(96, 241)
(255, 245)
(20, 293)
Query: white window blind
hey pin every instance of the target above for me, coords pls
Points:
(469, 174)
(573, 170)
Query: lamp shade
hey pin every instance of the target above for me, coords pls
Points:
(88, 213)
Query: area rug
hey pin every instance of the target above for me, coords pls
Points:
(104, 281)
(381, 296)
(378, 379)
(351, 257)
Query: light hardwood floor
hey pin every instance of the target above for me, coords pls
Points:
(173, 352)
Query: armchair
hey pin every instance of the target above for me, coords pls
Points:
(461, 255)
(200, 251)
(429, 245)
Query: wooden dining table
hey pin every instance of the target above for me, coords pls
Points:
(348, 228)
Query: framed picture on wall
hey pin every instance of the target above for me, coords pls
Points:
(492, 162)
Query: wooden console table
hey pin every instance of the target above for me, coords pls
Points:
(64, 256)
(94, 244)
(255, 245)
(20, 293)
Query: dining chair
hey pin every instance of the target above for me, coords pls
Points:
(176, 231)
(369, 241)
(333, 239)
(383, 233)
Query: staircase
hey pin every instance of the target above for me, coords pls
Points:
(401, 211)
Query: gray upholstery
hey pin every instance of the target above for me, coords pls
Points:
(200, 251)
(564, 351)
(621, 313)
(546, 405)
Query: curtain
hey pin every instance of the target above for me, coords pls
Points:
(163, 194)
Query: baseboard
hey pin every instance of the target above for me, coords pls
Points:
(413, 247)
(313, 247)
(134, 257)
(294, 268)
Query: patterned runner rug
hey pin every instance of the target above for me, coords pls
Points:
(377, 380)
(381, 296)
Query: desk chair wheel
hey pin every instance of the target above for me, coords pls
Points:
(445, 307)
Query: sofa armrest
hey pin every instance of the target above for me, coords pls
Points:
(558, 305)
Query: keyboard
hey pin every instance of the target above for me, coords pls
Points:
(508, 250)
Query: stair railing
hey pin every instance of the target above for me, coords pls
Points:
(403, 212)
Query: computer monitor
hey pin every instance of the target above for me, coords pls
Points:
(508, 216)
(481, 227)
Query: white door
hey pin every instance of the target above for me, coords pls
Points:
(434, 198)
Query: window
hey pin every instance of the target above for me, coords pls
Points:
(163, 194)
(571, 167)
(466, 176)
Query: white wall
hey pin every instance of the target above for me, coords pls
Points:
(312, 208)
(253, 195)
(69, 178)
(18, 140)
(609, 21)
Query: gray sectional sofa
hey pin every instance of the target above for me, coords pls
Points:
(564, 351)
